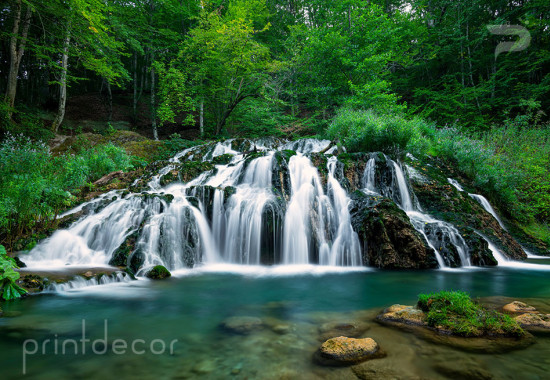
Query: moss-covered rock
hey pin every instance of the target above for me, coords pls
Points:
(122, 253)
(158, 273)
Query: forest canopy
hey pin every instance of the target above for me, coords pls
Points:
(468, 81)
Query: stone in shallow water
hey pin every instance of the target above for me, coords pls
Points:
(380, 369)
(403, 314)
(534, 322)
(346, 351)
(460, 370)
(517, 307)
(242, 325)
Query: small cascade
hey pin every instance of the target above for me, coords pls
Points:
(455, 184)
(441, 236)
(487, 206)
(481, 200)
(406, 201)
(501, 259)
(369, 177)
(79, 282)
(93, 239)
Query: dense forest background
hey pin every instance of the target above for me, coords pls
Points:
(420, 76)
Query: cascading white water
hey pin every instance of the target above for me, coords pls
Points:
(481, 200)
(369, 176)
(406, 201)
(455, 184)
(92, 240)
(345, 249)
(487, 206)
(236, 213)
(80, 282)
(298, 227)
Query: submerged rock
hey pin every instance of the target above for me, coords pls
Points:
(348, 329)
(242, 325)
(347, 351)
(460, 370)
(158, 273)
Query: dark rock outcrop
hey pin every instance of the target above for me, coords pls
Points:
(388, 238)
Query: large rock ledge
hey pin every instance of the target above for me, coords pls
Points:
(412, 319)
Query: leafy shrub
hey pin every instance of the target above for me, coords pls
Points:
(367, 131)
(8, 276)
(174, 145)
(37, 186)
(455, 311)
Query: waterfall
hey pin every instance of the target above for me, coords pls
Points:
(481, 200)
(346, 249)
(487, 206)
(239, 212)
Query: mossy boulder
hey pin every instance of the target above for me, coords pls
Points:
(158, 273)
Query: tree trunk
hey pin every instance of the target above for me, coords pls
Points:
(16, 53)
(63, 81)
(134, 109)
(153, 113)
(201, 117)
(109, 100)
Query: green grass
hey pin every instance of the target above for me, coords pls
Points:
(456, 312)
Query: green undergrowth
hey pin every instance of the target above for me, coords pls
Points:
(457, 313)
(36, 185)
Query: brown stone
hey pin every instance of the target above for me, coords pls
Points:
(347, 351)
(517, 307)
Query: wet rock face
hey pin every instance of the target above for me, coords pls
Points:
(388, 238)
(347, 351)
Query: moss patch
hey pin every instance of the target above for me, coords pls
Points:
(458, 314)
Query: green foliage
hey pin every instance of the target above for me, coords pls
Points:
(510, 163)
(9, 289)
(368, 131)
(174, 145)
(36, 186)
(455, 311)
